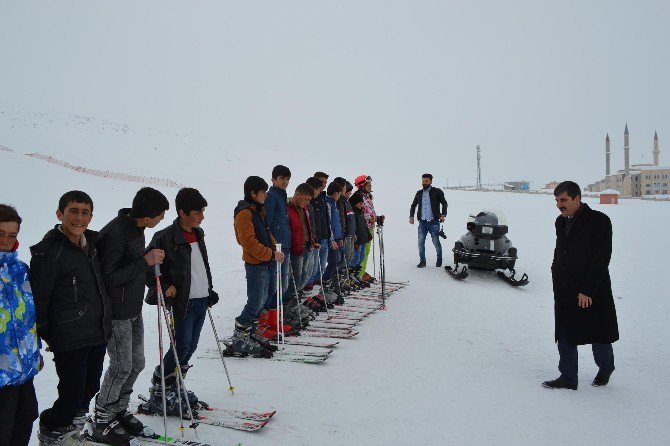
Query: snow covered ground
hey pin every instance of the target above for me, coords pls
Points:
(448, 362)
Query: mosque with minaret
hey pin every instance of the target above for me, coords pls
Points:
(637, 180)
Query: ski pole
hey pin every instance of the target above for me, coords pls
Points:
(160, 350)
(173, 344)
(170, 324)
(218, 344)
(280, 306)
(374, 259)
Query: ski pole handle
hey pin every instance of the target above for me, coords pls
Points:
(157, 270)
(278, 247)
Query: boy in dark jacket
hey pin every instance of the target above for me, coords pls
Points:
(73, 313)
(320, 226)
(277, 217)
(336, 241)
(362, 236)
(124, 264)
(258, 251)
(187, 286)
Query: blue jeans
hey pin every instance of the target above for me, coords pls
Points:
(333, 260)
(322, 259)
(187, 334)
(432, 227)
(299, 265)
(258, 280)
(568, 362)
(271, 301)
(357, 258)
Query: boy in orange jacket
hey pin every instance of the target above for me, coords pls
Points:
(258, 249)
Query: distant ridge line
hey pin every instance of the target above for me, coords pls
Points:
(103, 173)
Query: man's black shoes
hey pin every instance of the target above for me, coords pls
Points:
(422, 264)
(559, 383)
(601, 379)
(438, 263)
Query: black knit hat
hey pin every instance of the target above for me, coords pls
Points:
(149, 202)
(356, 198)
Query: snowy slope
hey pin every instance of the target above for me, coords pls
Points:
(448, 362)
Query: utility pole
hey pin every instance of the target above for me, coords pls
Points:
(479, 168)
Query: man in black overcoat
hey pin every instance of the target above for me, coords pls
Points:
(583, 304)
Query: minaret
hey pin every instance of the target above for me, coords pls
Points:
(607, 155)
(626, 150)
(626, 184)
(656, 151)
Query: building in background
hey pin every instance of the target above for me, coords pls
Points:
(637, 180)
(517, 185)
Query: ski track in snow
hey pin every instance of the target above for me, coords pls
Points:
(448, 362)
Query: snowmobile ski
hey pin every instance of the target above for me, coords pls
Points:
(456, 273)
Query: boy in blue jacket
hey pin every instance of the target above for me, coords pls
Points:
(20, 357)
(276, 210)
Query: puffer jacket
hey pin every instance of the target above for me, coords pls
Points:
(252, 233)
(334, 219)
(19, 344)
(296, 229)
(121, 250)
(73, 308)
(277, 216)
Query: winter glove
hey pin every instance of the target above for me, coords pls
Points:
(213, 298)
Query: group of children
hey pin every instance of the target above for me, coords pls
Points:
(83, 294)
(320, 235)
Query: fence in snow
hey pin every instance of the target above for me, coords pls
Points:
(104, 173)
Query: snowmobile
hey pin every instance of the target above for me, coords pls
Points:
(486, 247)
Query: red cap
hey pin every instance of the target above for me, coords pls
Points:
(362, 180)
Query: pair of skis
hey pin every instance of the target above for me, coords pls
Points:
(248, 421)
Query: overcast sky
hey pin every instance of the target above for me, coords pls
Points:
(416, 84)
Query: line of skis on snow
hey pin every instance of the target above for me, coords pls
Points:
(337, 323)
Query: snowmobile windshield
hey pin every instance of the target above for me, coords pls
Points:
(489, 217)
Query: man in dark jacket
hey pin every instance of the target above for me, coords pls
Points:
(73, 312)
(277, 216)
(187, 284)
(583, 304)
(125, 265)
(430, 216)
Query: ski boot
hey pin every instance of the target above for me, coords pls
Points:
(241, 344)
(155, 404)
(56, 436)
(105, 428)
(132, 425)
(259, 337)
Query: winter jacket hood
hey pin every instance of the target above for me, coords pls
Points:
(19, 344)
